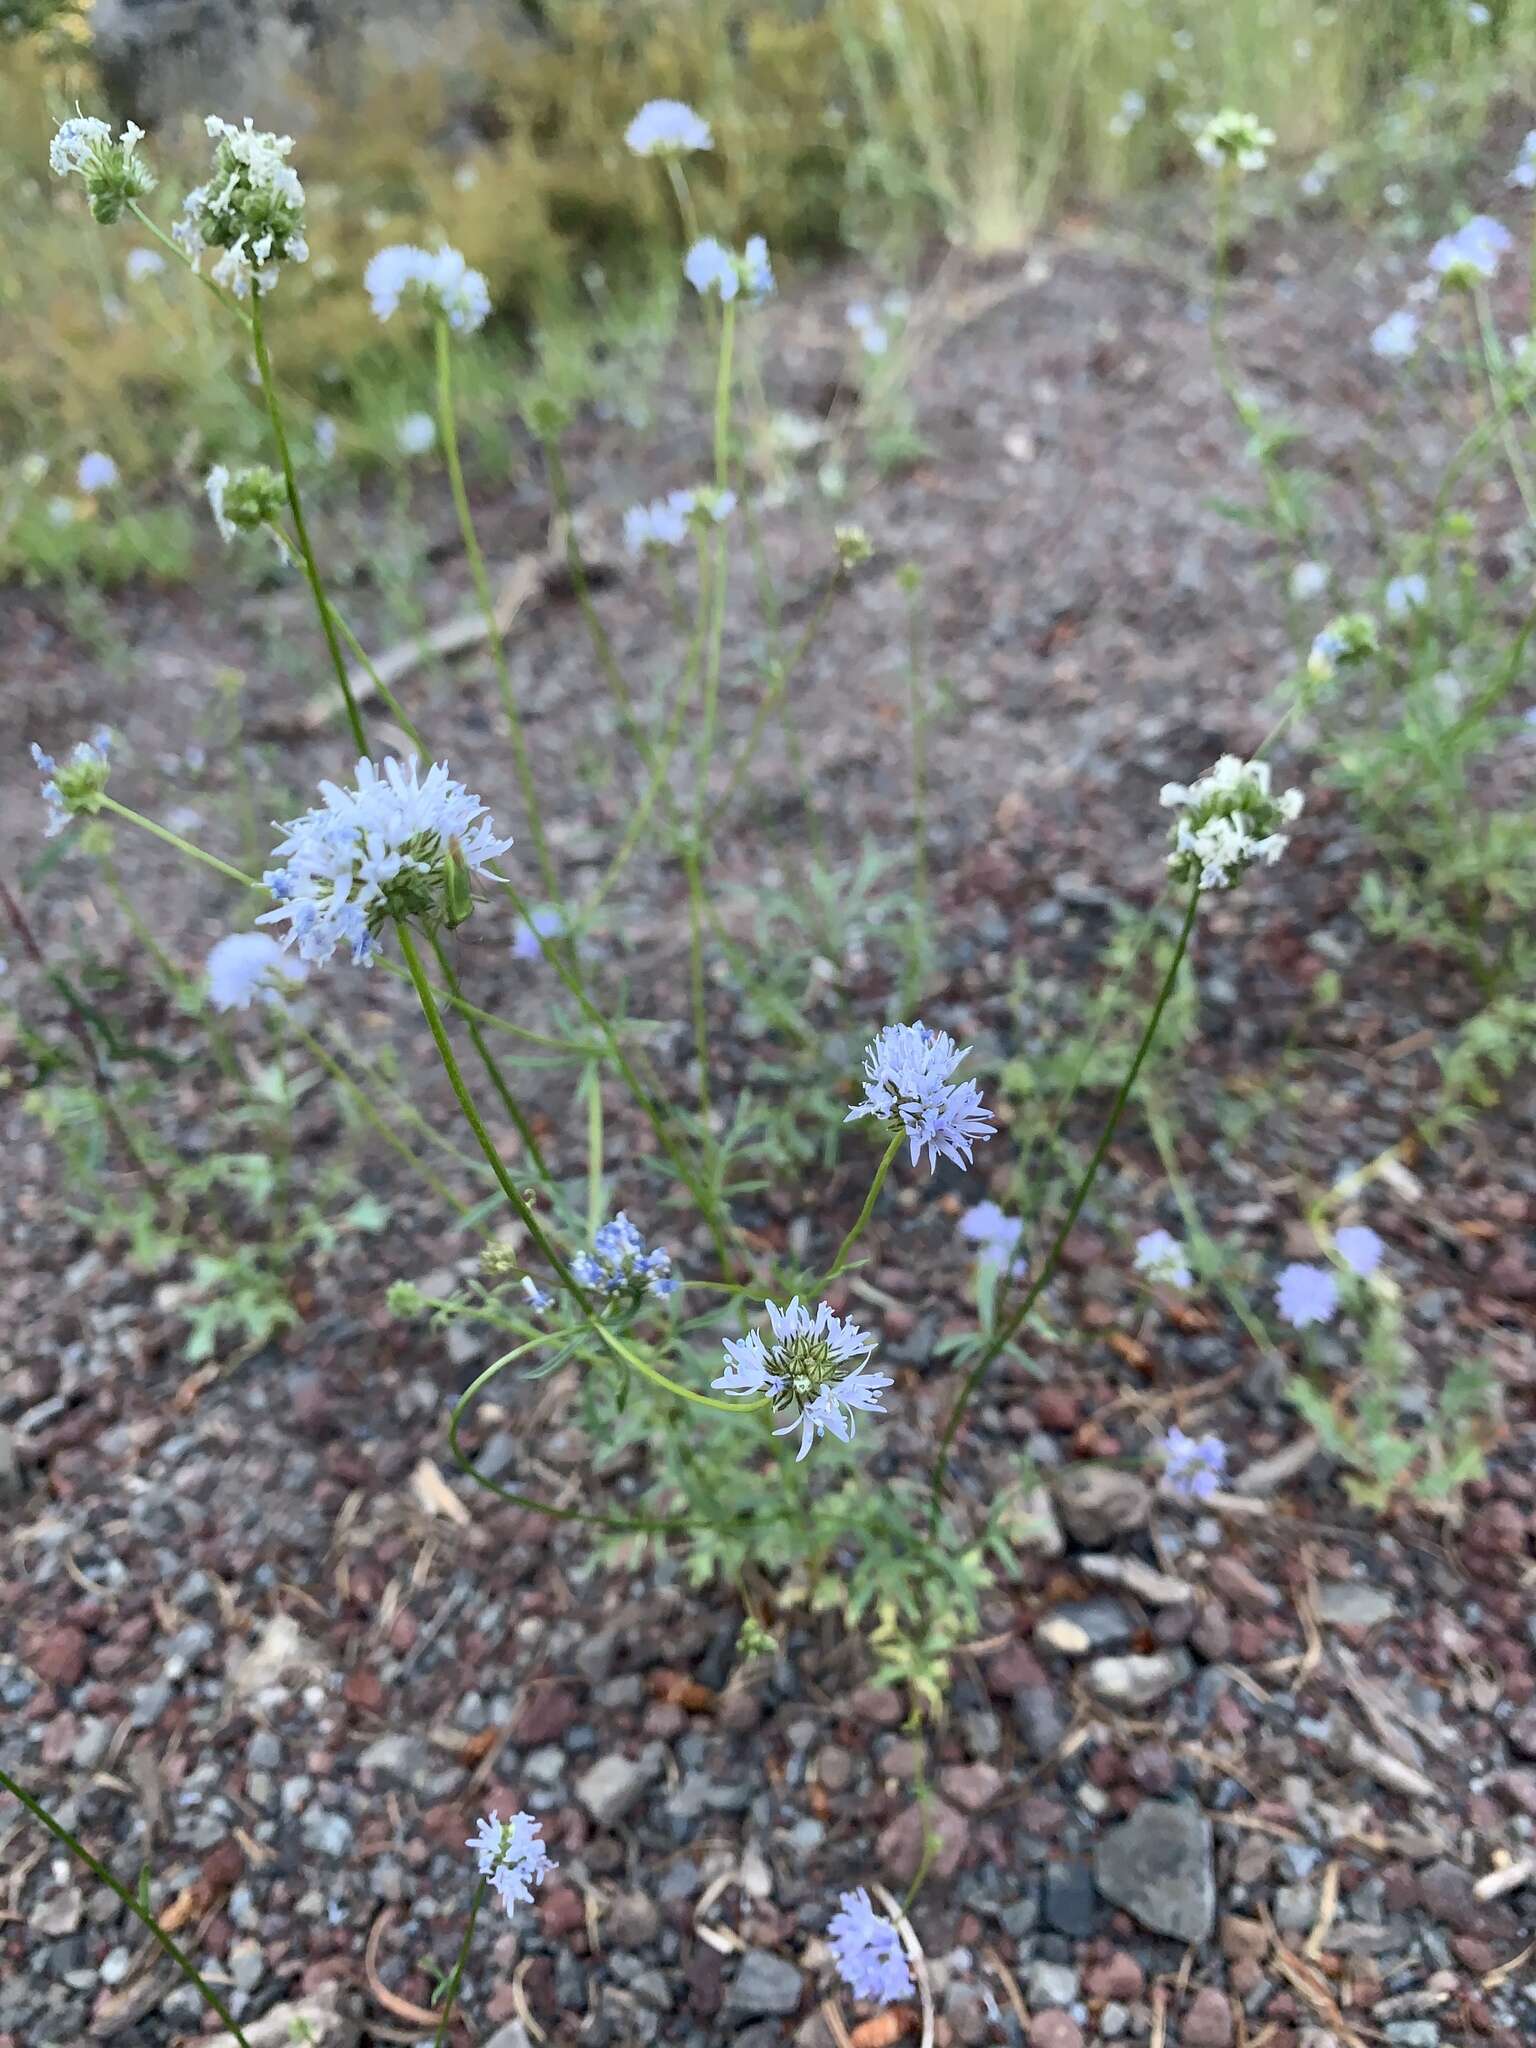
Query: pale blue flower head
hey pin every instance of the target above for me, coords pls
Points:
(1397, 337)
(668, 128)
(1161, 1257)
(619, 1266)
(995, 1235)
(438, 279)
(874, 336)
(248, 967)
(815, 1365)
(544, 923)
(867, 1950)
(378, 851)
(1192, 1466)
(142, 263)
(1524, 172)
(1360, 1248)
(907, 1088)
(1405, 594)
(511, 1856)
(665, 522)
(1305, 1295)
(538, 1298)
(97, 472)
(1308, 580)
(416, 433)
(1474, 251)
(710, 267)
(74, 785)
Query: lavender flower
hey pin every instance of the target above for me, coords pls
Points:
(97, 472)
(619, 1265)
(1305, 1295)
(511, 1855)
(1360, 1248)
(248, 967)
(252, 209)
(815, 1365)
(668, 128)
(538, 1298)
(1473, 252)
(415, 433)
(1397, 337)
(1192, 1466)
(112, 171)
(907, 1088)
(1405, 594)
(76, 786)
(995, 1235)
(439, 279)
(381, 850)
(867, 1950)
(664, 523)
(542, 924)
(1227, 821)
(142, 263)
(710, 267)
(1308, 580)
(1163, 1260)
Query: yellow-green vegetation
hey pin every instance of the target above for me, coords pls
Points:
(865, 123)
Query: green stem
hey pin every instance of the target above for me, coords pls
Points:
(776, 692)
(864, 1214)
(100, 1871)
(300, 527)
(209, 860)
(494, 1075)
(359, 653)
(451, 1988)
(377, 1120)
(471, 1115)
(170, 243)
(576, 568)
(696, 995)
(917, 712)
(1006, 1329)
(448, 428)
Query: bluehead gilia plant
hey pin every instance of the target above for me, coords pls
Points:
(720, 1374)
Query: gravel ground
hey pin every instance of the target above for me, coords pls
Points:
(1216, 1779)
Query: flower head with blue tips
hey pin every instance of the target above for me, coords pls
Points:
(907, 1088)
(619, 1266)
(816, 1365)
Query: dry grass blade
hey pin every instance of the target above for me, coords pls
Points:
(1327, 1907)
(520, 2004)
(1011, 1991)
(723, 1940)
(915, 1957)
(379, 1991)
(1502, 1972)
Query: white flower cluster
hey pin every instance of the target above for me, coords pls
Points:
(112, 170)
(1227, 822)
(381, 850)
(1233, 138)
(248, 967)
(244, 500)
(441, 277)
(710, 267)
(664, 522)
(252, 208)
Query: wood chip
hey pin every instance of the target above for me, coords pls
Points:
(434, 1496)
(1389, 1770)
(1158, 1589)
(1508, 1878)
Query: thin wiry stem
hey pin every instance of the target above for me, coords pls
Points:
(99, 1870)
(1006, 1330)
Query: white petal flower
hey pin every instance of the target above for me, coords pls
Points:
(816, 1364)
(667, 128)
(248, 967)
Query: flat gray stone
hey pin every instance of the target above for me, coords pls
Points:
(766, 1987)
(613, 1785)
(1350, 1603)
(1099, 1502)
(1082, 1626)
(1159, 1865)
(1138, 1681)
